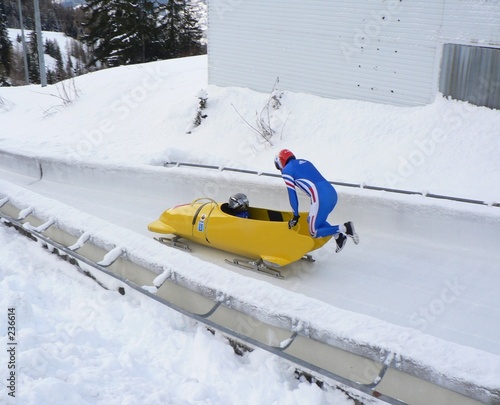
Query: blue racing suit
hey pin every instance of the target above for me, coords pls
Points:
(302, 174)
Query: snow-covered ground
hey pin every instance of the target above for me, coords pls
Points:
(141, 115)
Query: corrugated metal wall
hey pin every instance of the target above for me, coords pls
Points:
(471, 73)
(470, 63)
(375, 50)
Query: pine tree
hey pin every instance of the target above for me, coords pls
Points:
(123, 31)
(5, 47)
(33, 62)
(192, 34)
(52, 49)
(181, 29)
(171, 24)
(60, 73)
(55, 15)
(69, 66)
(135, 31)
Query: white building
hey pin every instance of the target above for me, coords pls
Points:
(398, 52)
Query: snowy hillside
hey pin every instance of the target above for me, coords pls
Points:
(69, 51)
(448, 147)
(139, 117)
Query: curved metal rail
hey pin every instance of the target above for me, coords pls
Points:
(340, 183)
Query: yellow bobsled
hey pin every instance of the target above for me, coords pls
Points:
(264, 237)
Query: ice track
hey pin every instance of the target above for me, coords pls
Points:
(426, 264)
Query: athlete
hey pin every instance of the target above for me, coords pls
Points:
(302, 174)
(238, 205)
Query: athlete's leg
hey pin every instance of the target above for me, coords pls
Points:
(319, 211)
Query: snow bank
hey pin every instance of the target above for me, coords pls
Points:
(141, 114)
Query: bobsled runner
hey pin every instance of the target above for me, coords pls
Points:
(264, 238)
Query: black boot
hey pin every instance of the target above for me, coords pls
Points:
(349, 226)
(341, 240)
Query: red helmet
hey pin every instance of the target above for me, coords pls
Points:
(282, 158)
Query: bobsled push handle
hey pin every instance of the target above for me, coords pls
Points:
(208, 201)
(212, 203)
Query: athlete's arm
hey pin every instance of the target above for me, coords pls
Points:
(292, 193)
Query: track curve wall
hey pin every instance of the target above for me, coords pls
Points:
(335, 356)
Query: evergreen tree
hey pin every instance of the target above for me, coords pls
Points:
(52, 48)
(123, 31)
(51, 76)
(55, 16)
(135, 31)
(69, 66)
(5, 47)
(181, 30)
(171, 24)
(192, 34)
(81, 57)
(33, 62)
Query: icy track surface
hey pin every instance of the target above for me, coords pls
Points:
(431, 266)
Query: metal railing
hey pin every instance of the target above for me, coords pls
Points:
(339, 183)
